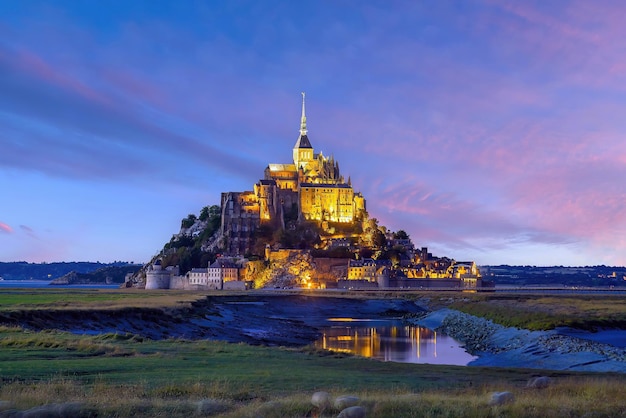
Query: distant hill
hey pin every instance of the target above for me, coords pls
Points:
(555, 276)
(104, 275)
(21, 270)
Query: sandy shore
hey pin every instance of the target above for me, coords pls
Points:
(562, 349)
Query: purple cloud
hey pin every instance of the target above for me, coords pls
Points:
(28, 231)
(40, 99)
(475, 127)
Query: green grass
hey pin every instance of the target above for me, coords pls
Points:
(43, 355)
(536, 312)
(75, 299)
(118, 375)
(167, 378)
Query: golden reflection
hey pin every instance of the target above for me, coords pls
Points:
(409, 344)
(383, 342)
(394, 332)
(419, 346)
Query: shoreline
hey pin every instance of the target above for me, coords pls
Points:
(280, 319)
(499, 346)
(262, 319)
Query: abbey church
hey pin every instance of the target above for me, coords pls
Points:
(310, 188)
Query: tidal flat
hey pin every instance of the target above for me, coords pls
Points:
(111, 371)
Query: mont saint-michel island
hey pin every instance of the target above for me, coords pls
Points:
(291, 300)
(435, 229)
(303, 225)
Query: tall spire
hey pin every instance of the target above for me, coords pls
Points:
(303, 150)
(303, 130)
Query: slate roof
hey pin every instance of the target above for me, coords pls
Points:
(303, 142)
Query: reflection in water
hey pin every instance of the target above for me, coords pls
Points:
(391, 341)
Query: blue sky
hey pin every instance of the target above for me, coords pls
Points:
(488, 130)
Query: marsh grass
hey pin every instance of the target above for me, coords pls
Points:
(173, 377)
(528, 311)
(14, 339)
(119, 375)
(536, 312)
(567, 397)
(95, 299)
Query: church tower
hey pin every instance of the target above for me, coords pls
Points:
(302, 151)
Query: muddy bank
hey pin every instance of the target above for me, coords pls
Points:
(281, 320)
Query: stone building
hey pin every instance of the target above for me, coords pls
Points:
(363, 269)
(311, 188)
(222, 274)
(225, 269)
(198, 277)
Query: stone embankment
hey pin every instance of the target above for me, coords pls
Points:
(500, 346)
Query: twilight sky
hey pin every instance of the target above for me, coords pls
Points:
(492, 131)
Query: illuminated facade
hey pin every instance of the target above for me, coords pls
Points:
(364, 269)
(310, 188)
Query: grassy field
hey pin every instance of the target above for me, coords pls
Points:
(537, 312)
(530, 311)
(59, 298)
(126, 375)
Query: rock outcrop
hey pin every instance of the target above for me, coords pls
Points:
(496, 345)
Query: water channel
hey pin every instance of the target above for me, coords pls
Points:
(391, 340)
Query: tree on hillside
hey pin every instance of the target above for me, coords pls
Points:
(204, 214)
(209, 212)
(401, 234)
(378, 239)
(188, 221)
(215, 218)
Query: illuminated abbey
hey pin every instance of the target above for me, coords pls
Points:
(311, 189)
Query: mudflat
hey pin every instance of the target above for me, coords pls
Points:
(261, 319)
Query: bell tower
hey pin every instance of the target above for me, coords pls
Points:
(302, 151)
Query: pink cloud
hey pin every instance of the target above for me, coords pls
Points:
(572, 201)
(5, 228)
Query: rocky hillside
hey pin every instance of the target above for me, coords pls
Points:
(195, 245)
(199, 242)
